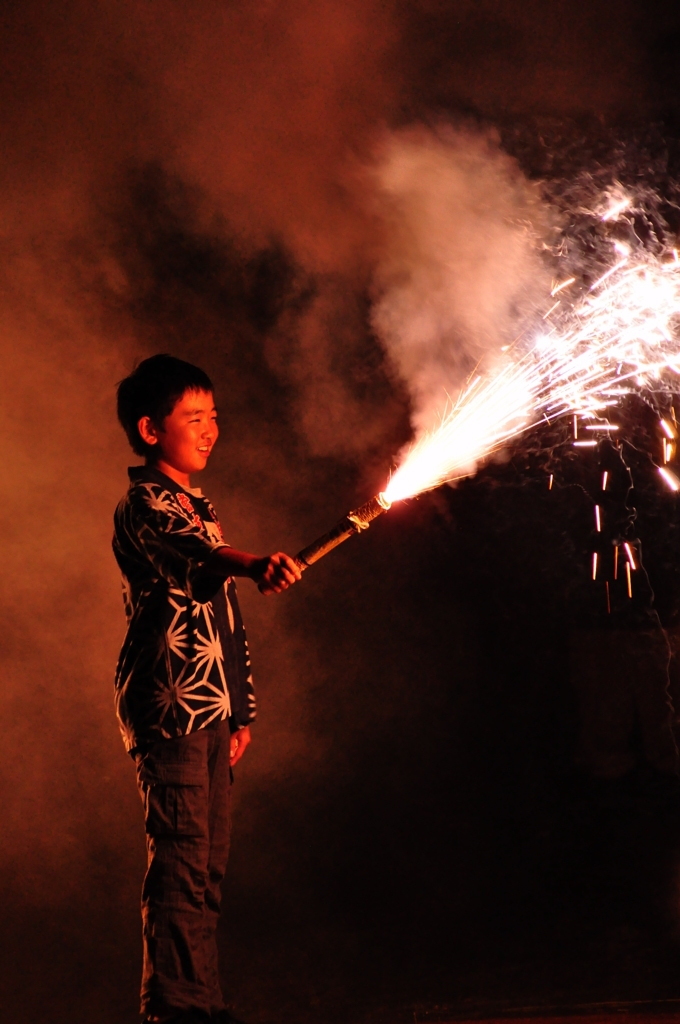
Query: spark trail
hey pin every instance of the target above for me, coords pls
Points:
(622, 336)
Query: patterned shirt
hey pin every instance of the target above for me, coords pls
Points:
(184, 664)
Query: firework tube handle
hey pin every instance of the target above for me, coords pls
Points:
(352, 523)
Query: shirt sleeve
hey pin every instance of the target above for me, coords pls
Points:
(169, 537)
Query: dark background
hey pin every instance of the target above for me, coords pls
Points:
(411, 828)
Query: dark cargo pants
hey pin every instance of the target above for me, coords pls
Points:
(185, 787)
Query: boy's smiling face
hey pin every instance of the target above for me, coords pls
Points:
(186, 437)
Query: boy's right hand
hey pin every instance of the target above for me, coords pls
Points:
(275, 573)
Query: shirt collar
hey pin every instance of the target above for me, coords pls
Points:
(149, 474)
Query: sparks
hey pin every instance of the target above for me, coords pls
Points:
(670, 478)
(564, 284)
(610, 273)
(613, 212)
(487, 414)
(621, 337)
(631, 557)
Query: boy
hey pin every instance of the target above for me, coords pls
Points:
(184, 694)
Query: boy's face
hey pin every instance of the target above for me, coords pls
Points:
(187, 435)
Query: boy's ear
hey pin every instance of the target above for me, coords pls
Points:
(148, 431)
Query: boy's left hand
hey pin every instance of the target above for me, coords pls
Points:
(238, 741)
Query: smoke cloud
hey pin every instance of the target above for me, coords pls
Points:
(460, 273)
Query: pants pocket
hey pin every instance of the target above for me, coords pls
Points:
(175, 796)
(175, 810)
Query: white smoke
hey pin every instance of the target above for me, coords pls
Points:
(460, 274)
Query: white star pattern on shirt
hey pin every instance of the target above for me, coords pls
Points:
(172, 676)
(201, 659)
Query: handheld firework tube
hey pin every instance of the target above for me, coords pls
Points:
(353, 522)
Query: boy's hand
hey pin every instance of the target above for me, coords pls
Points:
(275, 573)
(238, 741)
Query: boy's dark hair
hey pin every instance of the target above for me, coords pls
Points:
(153, 389)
